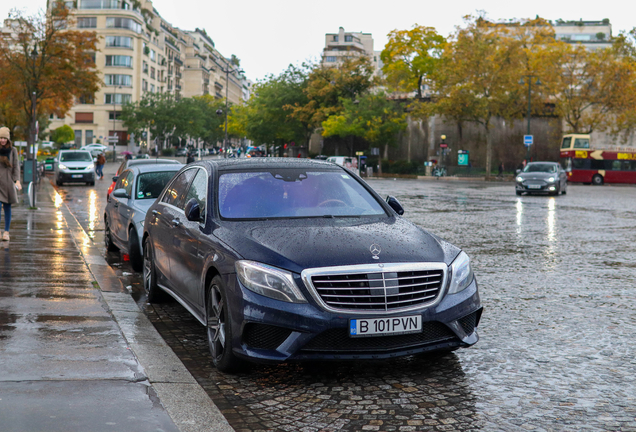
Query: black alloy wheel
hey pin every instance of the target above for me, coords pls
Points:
(154, 293)
(108, 240)
(136, 260)
(220, 329)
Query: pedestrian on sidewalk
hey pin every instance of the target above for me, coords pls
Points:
(9, 177)
(99, 166)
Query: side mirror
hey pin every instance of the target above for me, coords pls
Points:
(192, 210)
(120, 193)
(395, 205)
(518, 171)
(115, 178)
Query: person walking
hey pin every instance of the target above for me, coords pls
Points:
(99, 166)
(9, 178)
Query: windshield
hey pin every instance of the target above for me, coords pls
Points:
(150, 185)
(541, 167)
(282, 193)
(76, 157)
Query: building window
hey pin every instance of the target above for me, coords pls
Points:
(117, 98)
(330, 59)
(152, 73)
(152, 88)
(120, 80)
(348, 38)
(83, 117)
(88, 99)
(144, 85)
(114, 115)
(118, 60)
(153, 55)
(78, 138)
(89, 137)
(144, 67)
(335, 38)
(99, 4)
(87, 22)
(125, 23)
(119, 41)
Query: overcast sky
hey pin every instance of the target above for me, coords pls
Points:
(269, 35)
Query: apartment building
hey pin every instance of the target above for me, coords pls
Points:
(140, 52)
(348, 45)
(592, 34)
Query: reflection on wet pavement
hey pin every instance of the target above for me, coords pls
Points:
(557, 279)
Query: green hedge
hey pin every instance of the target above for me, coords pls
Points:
(167, 152)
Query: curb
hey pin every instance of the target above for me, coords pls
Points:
(185, 401)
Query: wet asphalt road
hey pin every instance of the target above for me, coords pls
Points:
(557, 279)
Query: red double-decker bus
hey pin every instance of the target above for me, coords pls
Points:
(586, 165)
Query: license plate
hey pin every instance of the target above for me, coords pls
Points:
(385, 326)
(77, 176)
(534, 186)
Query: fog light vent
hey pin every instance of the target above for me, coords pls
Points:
(264, 336)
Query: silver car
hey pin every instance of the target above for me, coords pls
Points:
(74, 166)
(542, 177)
(135, 190)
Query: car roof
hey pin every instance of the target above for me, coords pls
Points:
(132, 162)
(267, 163)
(75, 151)
(142, 169)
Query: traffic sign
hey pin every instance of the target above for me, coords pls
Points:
(113, 139)
(443, 145)
(462, 157)
(359, 153)
(528, 140)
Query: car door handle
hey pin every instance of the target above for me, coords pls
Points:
(176, 222)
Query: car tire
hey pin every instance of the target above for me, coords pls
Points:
(219, 329)
(58, 182)
(136, 260)
(518, 192)
(108, 239)
(153, 292)
(597, 180)
(91, 183)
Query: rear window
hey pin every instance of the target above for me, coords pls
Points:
(150, 185)
(293, 193)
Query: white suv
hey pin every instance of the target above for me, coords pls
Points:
(74, 166)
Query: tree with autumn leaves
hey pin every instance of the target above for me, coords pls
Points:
(43, 60)
(481, 72)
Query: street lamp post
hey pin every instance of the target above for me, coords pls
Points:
(538, 82)
(115, 87)
(227, 71)
(34, 131)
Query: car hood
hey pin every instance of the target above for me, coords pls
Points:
(537, 175)
(306, 243)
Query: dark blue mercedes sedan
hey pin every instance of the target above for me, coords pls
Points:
(297, 259)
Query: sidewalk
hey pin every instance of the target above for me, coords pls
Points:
(76, 353)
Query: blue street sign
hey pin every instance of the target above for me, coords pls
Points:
(527, 140)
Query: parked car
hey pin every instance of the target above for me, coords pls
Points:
(542, 177)
(181, 152)
(135, 190)
(296, 259)
(133, 162)
(95, 149)
(73, 166)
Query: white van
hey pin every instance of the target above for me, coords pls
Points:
(346, 161)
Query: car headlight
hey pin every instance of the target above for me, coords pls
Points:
(520, 179)
(89, 168)
(269, 281)
(461, 274)
(62, 166)
(550, 179)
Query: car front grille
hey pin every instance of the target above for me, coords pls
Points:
(338, 340)
(395, 287)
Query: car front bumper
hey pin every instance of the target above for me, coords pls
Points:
(267, 330)
(80, 177)
(543, 187)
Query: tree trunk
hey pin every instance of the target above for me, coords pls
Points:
(488, 149)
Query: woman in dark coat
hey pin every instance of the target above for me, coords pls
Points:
(9, 178)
